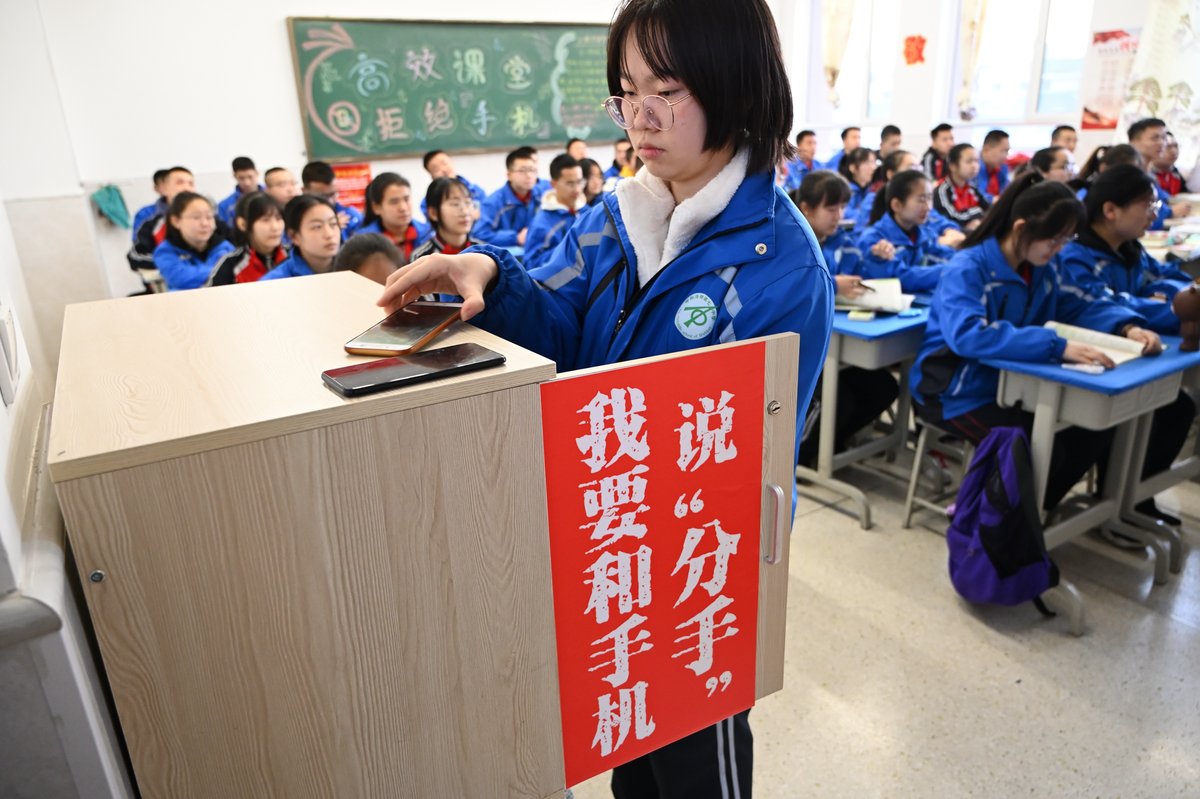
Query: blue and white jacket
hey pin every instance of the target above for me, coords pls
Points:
(148, 212)
(548, 227)
(756, 262)
(182, 267)
(983, 179)
(798, 170)
(983, 309)
(294, 266)
(859, 207)
(918, 264)
(1129, 277)
(502, 216)
(842, 254)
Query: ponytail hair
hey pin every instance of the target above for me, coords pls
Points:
(378, 187)
(890, 164)
(1102, 158)
(1048, 207)
(1121, 185)
(853, 158)
(900, 187)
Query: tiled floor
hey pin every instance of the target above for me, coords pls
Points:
(897, 688)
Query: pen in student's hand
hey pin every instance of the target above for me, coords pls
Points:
(865, 287)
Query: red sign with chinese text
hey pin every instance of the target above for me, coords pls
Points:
(654, 485)
(351, 181)
(914, 50)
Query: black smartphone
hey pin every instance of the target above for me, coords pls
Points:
(407, 330)
(405, 370)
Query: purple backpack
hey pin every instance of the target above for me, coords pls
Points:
(996, 541)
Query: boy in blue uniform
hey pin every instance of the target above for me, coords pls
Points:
(318, 178)
(246, 176)
(156, 208)
(557, 211)
(993, 165)
(1149, 138)
(703, 218)
(851, 141)
(992, 302)
(805, 161)
(933, 163)
(505, 215)
(438, 164)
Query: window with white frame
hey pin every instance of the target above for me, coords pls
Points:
(1030, 61)
(868, 70)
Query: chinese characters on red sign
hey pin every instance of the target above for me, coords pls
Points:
(914, 50)
(351, 181)
(654, 484)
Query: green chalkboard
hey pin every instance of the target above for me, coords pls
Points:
(373, 88)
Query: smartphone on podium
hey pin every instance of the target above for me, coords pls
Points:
(405, 370)
(407, 330)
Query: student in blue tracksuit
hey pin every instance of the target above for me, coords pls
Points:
(992, 302)
(193, 245)
(947, 233)
(505, 215)
(618, 287)
(851, 141)
(956, 197)
(152, 230)
(439, 165)
(1149, 138)
(593, 181)
(452, 213)
(621, 148)
(257, 233)
(1103, 158)
(156, 208)
(557, 212)
(312, 225)
(318, 178)
(863, 394)
(993, 165)
(858, 168)
(1107, 262)
(897, 243)
(390, 212)
(805, 160)
(245, 174)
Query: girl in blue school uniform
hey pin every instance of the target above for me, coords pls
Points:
(390, 212)
(312, 225)
(1107, 262)
(947, 233)
(992, 302)
(452, 212)
(863, 394)
(192, 245)
(956, 197)
(258, 235)
(858, 168)
(897, 243)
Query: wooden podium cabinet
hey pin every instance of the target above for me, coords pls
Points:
(299, 595)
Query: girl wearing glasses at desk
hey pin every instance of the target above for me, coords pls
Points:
(699, 248)
(1108, 262)
(193, 243)
(992, 302)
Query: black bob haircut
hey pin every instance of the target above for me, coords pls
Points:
(316, 172)
(902, 186)
(560, 163)
(741, 84)
(358, 249)
(436, 194)
(243, 164)
(821, 188)
(376, 190)
(252, 207)
(1121, 185)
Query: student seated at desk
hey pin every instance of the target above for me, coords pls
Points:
(993, 165)
(897, 243)
(258, 235)
(858, 168)
(312, 225)
(505, 215)
(153, 229)
(193, 245)
(992, 302)
(281, 184)
(156, 208)
(1107, 262)
(557, 212)
(389, 211)
(245, 176)
(452, 213)
(957, 198)
(1052, 163)
(851, 141)
(863, 394)
(439, 165)
(1164, 169)
(318, 178)
(945, 231)
(1149, 138)
(805, 161)
(371, 255)
(593, 181)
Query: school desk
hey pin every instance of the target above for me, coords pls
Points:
(886, 341)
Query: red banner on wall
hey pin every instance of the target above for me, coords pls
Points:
(351, 181)
(654, 484)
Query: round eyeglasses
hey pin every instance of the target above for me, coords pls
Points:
(659, 111)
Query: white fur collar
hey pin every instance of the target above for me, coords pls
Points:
(658, 228)
(550, 202)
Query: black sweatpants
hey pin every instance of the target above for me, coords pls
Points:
(714, 763)
(863, 394)
(1075, 449)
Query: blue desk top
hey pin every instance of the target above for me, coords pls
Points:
(1127, 376)
(882, 326)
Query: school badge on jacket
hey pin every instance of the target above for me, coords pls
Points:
(697, 316)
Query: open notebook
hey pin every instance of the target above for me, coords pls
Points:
(1119, 348)
(886, 297)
